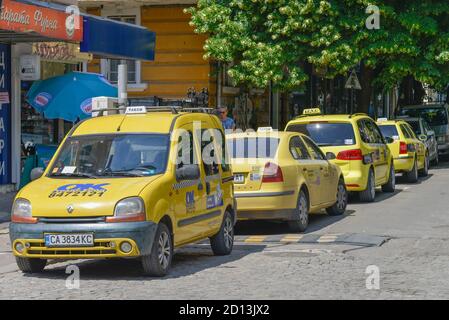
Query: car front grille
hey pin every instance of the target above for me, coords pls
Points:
(100, 248)
(73, 220)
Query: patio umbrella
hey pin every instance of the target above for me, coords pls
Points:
(69, 97)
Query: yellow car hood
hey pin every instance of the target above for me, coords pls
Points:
(51, 197)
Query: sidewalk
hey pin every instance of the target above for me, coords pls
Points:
(6, 201)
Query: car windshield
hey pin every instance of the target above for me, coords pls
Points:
(389, 131)
(434, 116)
(326, 133)
(112, 155)
(259, 148)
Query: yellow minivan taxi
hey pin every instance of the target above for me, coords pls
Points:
(283, 176)
(356, 145)
(130, 185)
(410, 154)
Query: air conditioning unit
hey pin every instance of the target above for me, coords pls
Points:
(108, 105)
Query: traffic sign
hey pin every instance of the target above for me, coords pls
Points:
(353, 82)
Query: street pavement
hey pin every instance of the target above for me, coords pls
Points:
(404, 236)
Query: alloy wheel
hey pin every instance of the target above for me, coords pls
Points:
(164, 250)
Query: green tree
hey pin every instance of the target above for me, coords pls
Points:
(270, 40)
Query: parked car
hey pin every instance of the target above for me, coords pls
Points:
(437, 116)
(426, 134)
(358, 148)
(284, 176)
(409, 153)
(120, 187)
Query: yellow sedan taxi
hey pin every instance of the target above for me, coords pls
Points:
(130, 185)
(356, 145)
(283, 176)
(410, 155)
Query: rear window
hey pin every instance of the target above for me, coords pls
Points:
(389, 131)
(259, 148)
(434, 116)
(326, 133)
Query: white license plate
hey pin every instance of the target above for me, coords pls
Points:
(69, 240)
(239, 178)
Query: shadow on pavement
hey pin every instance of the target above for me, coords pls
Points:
(403, 180)
(187, 261)
(380, 196)
(316, 222)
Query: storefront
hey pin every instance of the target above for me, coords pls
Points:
(46, 33)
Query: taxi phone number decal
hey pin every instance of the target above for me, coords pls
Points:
(82, 190)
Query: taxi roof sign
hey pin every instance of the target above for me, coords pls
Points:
(265, 129)
(136, 110)
(382, 119)
(312, 111)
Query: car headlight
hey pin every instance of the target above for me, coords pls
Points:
(21, 212)
(128, 210)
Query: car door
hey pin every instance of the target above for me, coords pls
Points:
(324, 171)
(377, 149)
(212, 194)
(188, 194)
(431, 138)
(307, 167)
(419, 145)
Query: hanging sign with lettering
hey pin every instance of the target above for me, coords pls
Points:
(25, 18)
(5, 114)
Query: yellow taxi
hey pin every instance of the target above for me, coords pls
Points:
(356, 145)
(129, 185)
(410, 155)
(283, 176)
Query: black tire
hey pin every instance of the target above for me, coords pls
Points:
(301, 222)
(436, 161)
(30, 265)
(390, 186)
(369, 194)
(412, 176)
(158, 262)
(342, 200)
(424, 172)
(223, 242)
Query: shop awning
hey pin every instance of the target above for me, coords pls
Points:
(109, 38)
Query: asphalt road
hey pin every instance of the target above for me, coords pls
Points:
(411, 261)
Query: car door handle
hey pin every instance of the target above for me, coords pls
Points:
(305, 170)
(208, 187)
(200, 187)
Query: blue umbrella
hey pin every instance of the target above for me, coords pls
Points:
(69, 97)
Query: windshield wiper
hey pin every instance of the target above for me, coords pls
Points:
(124, 173)
(74, 175)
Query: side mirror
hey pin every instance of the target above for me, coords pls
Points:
(188, 172)
(422, 137)
(36, 173)
(389, 140)
(330, 156)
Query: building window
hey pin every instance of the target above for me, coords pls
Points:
(109, 67)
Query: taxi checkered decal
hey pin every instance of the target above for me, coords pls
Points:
(185, 184)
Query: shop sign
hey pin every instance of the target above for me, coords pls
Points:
(60, 52)
(5, 114)
(20, 17)
(30, 67)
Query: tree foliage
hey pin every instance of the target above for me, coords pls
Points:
(269, 40)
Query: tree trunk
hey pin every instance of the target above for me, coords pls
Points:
(364, 95)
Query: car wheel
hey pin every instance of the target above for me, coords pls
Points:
(424, 172)
(369, 194)
(223, 242)
(158, 262)
(390, 186)
(342, 201)
(30, 265)
(412, 176)
(301, 222)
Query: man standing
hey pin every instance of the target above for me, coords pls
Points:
(228, 123)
